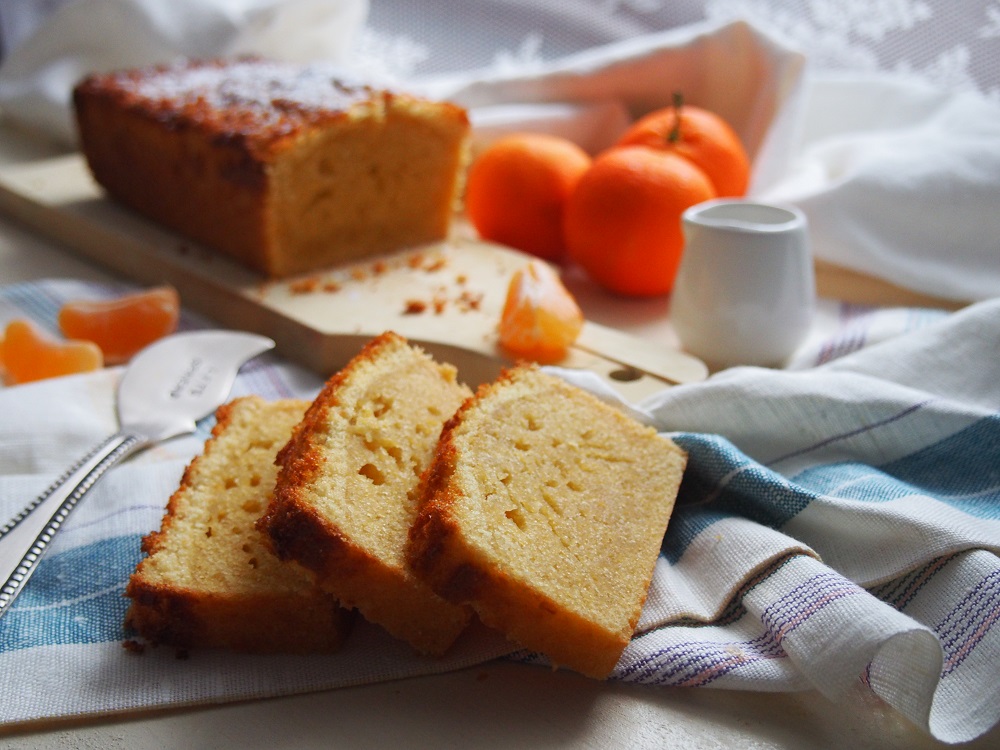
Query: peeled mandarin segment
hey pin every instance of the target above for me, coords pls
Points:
(124, 325)
(540, 318)
(29, 354)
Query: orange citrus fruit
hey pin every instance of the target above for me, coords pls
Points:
(30, 354)
(517, 188)
(701, 137)
(540, 318)
(123, 325)
(623, 220)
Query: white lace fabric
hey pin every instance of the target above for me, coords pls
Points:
(954, 44)
(950, 43)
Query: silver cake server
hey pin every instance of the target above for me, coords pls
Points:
(168, 386)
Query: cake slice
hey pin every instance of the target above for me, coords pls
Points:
(544, 509)
(346, 492)
(287, 168)
(209, 579)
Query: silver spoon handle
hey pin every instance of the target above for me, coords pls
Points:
(25, 538)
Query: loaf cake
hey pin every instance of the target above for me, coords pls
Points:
(209, 579)
(286, 168)
(345, 495)
(544, 510)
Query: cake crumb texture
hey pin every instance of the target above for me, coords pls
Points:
(209, 578)
(544, 510)
(346, 492)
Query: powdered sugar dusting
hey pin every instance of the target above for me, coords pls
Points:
(246, 95)
(252, 84)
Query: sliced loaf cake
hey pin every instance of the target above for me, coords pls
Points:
(209, 579)
(346, 492)
(544, 509)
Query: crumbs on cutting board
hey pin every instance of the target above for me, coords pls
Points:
(454, 295)
(465, 301)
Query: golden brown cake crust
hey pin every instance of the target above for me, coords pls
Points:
(261, 619)
(263, 624)
(433, 535)
(248, 102)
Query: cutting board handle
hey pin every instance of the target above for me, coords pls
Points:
(671, 366)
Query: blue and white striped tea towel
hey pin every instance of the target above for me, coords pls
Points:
(840, 523)
(836, 524)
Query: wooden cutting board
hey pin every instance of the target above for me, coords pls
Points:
(446, 296)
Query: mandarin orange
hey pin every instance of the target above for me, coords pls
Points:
(623, 220)
(540, 317)
(516, 191)
(700, 136)
(29, 354)
(123, 325)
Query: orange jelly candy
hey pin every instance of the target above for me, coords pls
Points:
(29, 354)
(540, 317)
(123, 325)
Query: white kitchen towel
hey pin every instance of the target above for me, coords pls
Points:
(900, 180)
(836, 523)
(746, 76)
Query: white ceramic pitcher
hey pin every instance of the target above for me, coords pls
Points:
(745, 292)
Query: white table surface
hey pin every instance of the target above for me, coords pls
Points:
(497, 705)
